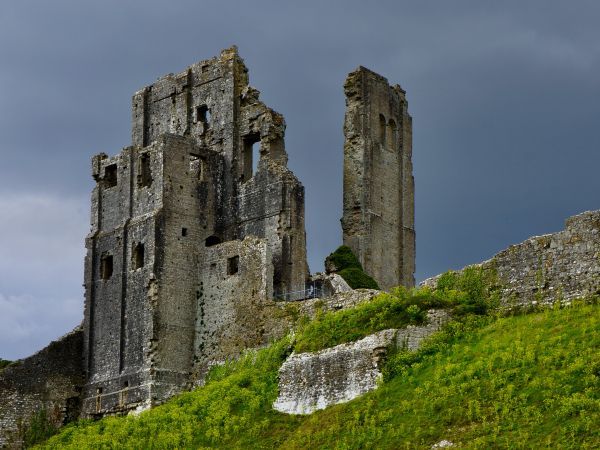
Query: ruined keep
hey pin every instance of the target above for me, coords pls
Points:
(189, 217)
(378, 222)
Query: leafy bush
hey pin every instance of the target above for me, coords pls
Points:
(357, 279)
(343, 258)
(474, 290)
(346, 264)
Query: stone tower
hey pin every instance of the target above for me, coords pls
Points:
(378, 220)
(194, 226)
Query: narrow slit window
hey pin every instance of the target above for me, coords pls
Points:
(145, 172)
(233, 264)
(137, 256)
(382, 130)
(184, 232)
(106, 266)
(110, 175)
(392, 135)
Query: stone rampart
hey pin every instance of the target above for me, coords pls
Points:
(48, 381)
(553, 267)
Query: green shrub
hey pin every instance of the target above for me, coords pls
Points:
(343, 258)
(474, 290)
(357, 279)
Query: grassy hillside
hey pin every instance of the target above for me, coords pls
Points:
(529, 381)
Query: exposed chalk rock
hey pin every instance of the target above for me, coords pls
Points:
(312, 381)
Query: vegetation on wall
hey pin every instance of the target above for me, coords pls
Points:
(4, 363)
(346, 264)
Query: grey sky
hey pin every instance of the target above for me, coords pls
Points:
(504, 97)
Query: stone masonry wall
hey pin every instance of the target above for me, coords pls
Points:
(313, 381)
(235, 286)
(378, 220)
(553, 267)
(49, 381)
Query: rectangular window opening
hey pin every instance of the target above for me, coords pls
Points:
(233, 265)
(145, 172)
(106, 267)
(110, 175)
(250, 156)
(137, 256)
(184, 232)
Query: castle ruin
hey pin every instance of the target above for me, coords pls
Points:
(199, 224)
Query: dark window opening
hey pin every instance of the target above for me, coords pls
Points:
(137, 256)
(203, 116)
(392, 135)
(233, 264)
(126, 384)
(110, 175)
(184, 232)
(145, 173)
(212, 240)
(382, 130)
(106, 266)
(250, 156)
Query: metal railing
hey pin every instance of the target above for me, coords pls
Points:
(311, 291)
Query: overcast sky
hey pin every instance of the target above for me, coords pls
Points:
(504, 98)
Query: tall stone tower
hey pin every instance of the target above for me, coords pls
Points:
(378, 220)
(194, 227)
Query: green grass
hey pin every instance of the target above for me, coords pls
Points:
(530, 381)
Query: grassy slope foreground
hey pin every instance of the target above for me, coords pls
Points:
(529, 381)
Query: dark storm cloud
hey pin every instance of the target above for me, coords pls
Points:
(503, 96)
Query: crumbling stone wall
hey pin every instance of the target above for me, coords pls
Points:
(552, 267)
(378, 219)
(49, 380)
(312, 381)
